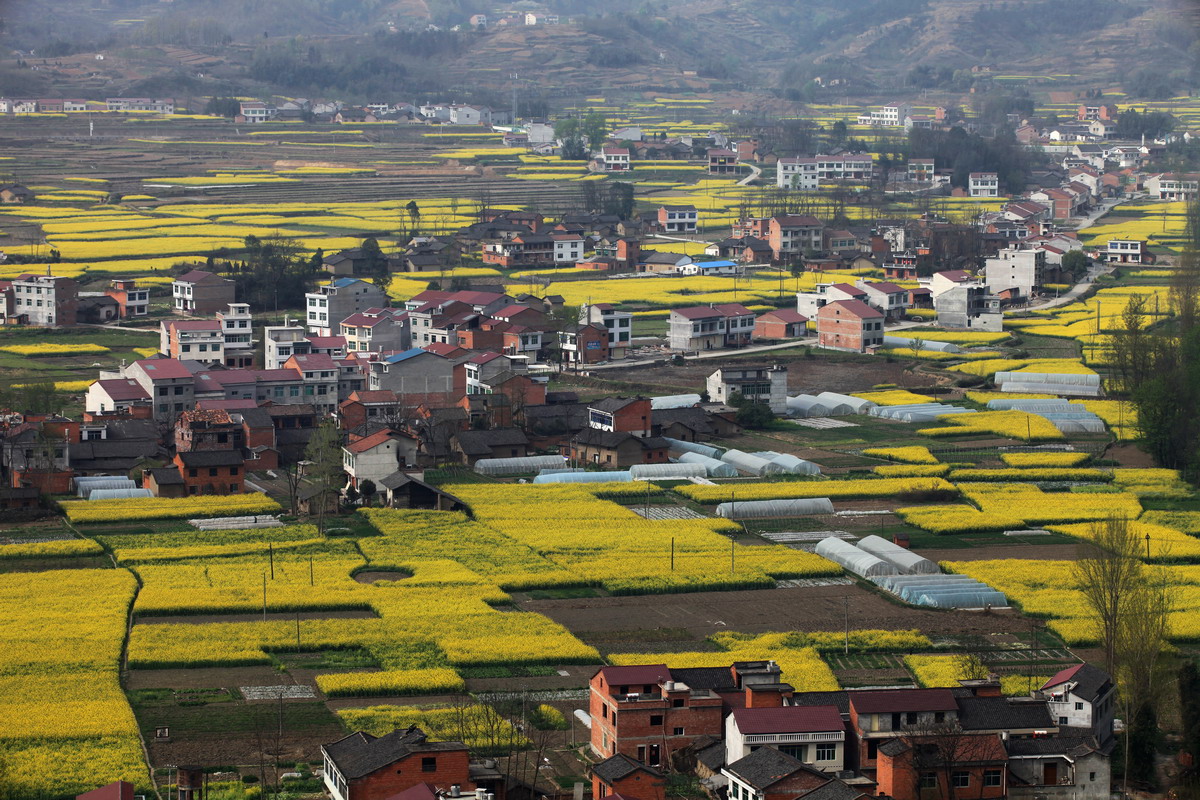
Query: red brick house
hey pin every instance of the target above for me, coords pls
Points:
(781, 324)
(620, 776)
(584, 344)
(212, 471)
(943, 766)
(363, 406)
(650, 711)
(117, 790)
(849, 325)
(365, 767)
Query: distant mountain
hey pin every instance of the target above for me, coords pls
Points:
(363, 47)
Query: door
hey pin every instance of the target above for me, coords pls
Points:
(1050, 774)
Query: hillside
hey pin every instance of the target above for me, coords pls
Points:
(364, 47)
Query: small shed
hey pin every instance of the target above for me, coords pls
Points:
(402, 490)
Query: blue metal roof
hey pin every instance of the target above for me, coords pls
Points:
(407, 354)
(715, 264)
(341, 282)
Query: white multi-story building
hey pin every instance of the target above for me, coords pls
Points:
(890, 116)
(49, 301)
(237, 326)
(619, 325)
(983, 184)
(615, 159)
(797, 173)
(568, 247)
(1013, 268)
(333, 302)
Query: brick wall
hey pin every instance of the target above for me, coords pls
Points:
(450, 767)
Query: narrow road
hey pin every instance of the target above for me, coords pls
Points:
(754, 173)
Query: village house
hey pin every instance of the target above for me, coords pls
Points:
(782, 323)
(710, 327)
(365, 767)
(212, 471)
(849, 325)
(340, 298)
(722, 161)
(614, 159)
(983, 184)
(888, 298)
(814, 735)
(48, 301)
(765, 385)
(798, 173)
(376, 330)
(677, 219)
(1015, 268)
(192, 340)
(620, 776)
(200, 293)
(618, 325)
(132, 300)
(376, 456)
(1127, 251)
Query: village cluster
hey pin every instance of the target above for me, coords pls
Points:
(487, 436)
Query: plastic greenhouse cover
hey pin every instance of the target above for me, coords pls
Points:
(119, 494)
(667, 471)
(912, 591)
(85, 490)
(984, 599)
(853, 559)
(794, 465)
(926, 344)
(674, 401)
(806, 405)
(901, 558)
(752, 464)
(1005, 404)
(794, 507)
(83, 480)
(859, 405)
(585, 477)
(1067, 379)
(681, 446)
(556, 470)
(516, 466)
(1025, 387)
(893, 583)
(715, 467)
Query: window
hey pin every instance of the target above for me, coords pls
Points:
(212, 472)
(233, 487)
(939, 716)
(960, 779)
(656, 719)
(193, 472)
(1062, 720)
(992, 777)
(1079, 706)
(826, 753)
(677, 703)
(910, 718)
(677, 731)
(233, 471)
(929, 780)
(429, 764)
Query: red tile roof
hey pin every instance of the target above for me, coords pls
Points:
(1063, 676)
(373, 396)
(123, 389)
(733, 310)
(846, 288)
(854, 308)
(644, 675)
(163, 368)
(307, 361)
(444, 349)
(885, 286)
(373, 441)
(784, 315)
(789, 719)
(194, 324)
(696, 312)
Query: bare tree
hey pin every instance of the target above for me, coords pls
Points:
(1107, 574)
(940, 749)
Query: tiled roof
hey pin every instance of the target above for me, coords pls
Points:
(641, 675)
(856, 308)
(788, 719)
(765, 767)
(1090, 682)
(164, 368)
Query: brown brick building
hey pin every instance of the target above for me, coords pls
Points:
(365, 767)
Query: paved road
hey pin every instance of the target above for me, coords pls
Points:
(754, 173)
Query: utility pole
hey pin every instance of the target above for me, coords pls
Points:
(672, 554)
(271, 555)
(846, 609)
(264, 597)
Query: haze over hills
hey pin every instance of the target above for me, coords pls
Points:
(361, 48)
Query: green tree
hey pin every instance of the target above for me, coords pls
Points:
(594, 128)
(325, 473)
(377, 263)
(1076, 263)
(367, 491)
